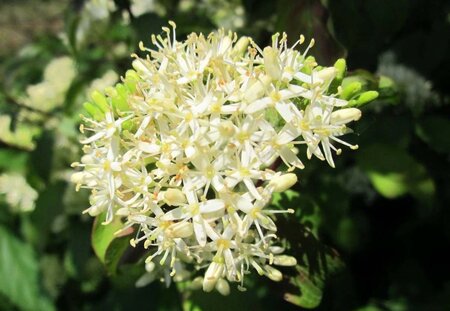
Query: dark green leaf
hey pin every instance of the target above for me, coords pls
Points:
(19, 271)
(435, 131)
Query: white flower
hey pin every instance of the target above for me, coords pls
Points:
(183, 149)
(19, 195)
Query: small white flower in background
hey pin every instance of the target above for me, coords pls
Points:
(182, 149)
(18, 194)
(109, 78)
(50, 93)
(94, 13)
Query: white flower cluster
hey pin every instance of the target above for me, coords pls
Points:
(183, 150)
(50, 93)
(18, 193)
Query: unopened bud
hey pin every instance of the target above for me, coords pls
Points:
(273, 274)
(241, 46)
(344, 116)
(197, 283)
(257, 89)
(284, 260)
(77, 178)
(87, 159)
(325, 75)
(94, 111)
(341, 67)
(272, 63)
(366, 97)
(174, 197)
(351, 89)
(123, 211)
(283, 182)
(223, 287)
(180, 230)
(139, 66)
(100, 100)
(213, 273)
(149, 266)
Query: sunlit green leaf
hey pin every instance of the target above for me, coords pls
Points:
(310, 290)
(393, 172)
(107, 245)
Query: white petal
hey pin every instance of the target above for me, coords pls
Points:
(267, 223)
(218, 183)
(251, 187)
(212, 206)
(210, 232)
(93, 138)
(327, 150)
(258, 105)
(149, 147)
(199, 230)
(244, 204)
(287, 134)
(175, 214)
(290, 157)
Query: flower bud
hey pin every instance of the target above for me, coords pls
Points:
(284, 260)
(325, 75)
(240, 46)
(351, 89)
(93, 111)
(174, 197)
(139, 66)
(123, 211)
(100, 100)
(366, 97)
(212, 274)
(341, 67)
(196, 283)
(272, 63)
(77, 177)
(283, 182)
(149, 266)
(257, 89)
(87, 159)
(180, 230)
(344, 116)
(223, 287)
(94, 210)
(273, 274)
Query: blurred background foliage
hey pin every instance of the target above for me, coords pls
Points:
(370, 235)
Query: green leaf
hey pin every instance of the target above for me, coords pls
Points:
(393, 172)
(107, 245)
(11, 160)
(310, 290)
(19, 271)
(435, 131)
